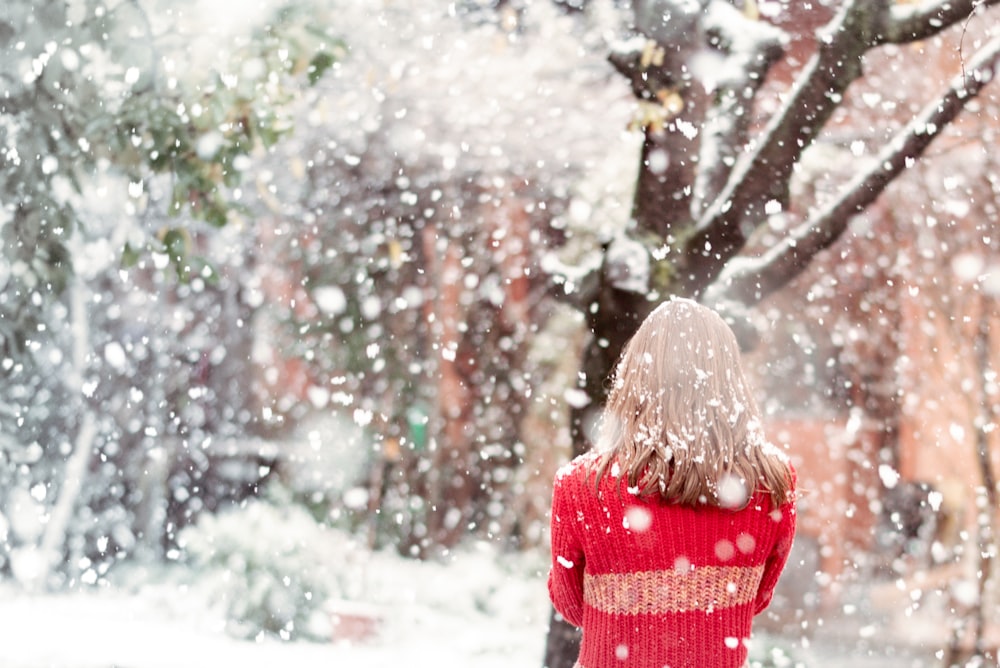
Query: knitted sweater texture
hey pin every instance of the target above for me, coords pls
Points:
(661, 585)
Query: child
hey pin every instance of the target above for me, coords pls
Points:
(669, 538)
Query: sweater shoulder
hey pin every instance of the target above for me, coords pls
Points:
(578, 469)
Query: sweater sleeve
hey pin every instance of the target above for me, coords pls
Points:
(776, 561)
(566, 572)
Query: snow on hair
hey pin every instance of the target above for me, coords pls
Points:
(681, 418)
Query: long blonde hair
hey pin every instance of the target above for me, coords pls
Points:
(681, 420)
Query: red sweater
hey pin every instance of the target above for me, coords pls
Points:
(661, 585)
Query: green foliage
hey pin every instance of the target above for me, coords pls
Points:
(319, 64)
(85, 101)
(205, 136)
(114, 145)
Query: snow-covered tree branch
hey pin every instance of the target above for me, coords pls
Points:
(750, 280)
(762, 177)
(751, 47)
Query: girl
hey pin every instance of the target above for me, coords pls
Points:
(669, 538)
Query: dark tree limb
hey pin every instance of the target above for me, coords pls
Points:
(750, 48)
(750, 280)
(764, 173)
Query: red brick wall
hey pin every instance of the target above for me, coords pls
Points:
(835, 481)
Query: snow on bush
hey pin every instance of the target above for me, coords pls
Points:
(272, 567)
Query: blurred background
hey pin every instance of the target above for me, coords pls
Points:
(302, 304)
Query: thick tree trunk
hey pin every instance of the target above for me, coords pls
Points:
(54, 537)
(665, 176)
(563, 643)
(450, 477)
(615, 316)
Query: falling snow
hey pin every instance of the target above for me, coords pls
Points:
(301, 306)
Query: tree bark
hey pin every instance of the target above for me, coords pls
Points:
(562, 644)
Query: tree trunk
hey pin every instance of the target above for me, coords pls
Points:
(563, 643)
(450, 476)
(986, 538)
(54, 537)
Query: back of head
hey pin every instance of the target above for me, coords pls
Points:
(681, 419)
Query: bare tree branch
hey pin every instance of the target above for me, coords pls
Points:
(750, 280)
(764, 173)
(751, 47)
(912, 22)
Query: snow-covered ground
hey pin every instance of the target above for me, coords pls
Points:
(479, 607)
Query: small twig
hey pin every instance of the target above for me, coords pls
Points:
(965, 29)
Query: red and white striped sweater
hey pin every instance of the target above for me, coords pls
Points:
(661, 585)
